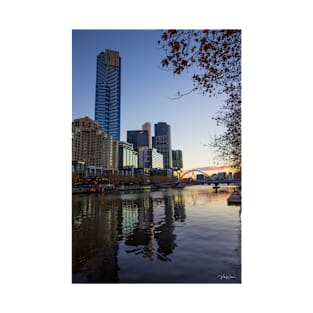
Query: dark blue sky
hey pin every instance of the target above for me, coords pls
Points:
(145, 90)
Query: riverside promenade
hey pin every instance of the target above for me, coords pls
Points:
(100, 188)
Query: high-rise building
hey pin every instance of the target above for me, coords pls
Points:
(128, 158)
(162, 142)
(92, 145)
(177, 156)
(229, 176)
(115, 154)
(108, 92)
(149, 158)
(139, 138)
(200, 178)
(221, 175)
(147, 126)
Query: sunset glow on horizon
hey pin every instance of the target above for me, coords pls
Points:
(209, 170)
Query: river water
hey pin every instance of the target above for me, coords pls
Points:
(187, 235)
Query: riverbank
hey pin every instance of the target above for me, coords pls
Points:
(112, 188)
(93, 189)
(108, 188)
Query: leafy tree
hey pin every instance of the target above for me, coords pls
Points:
(213, 57)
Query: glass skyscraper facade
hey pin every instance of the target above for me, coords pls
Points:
(177, 156)
(139, 138)
(162, 142)
(108, 92)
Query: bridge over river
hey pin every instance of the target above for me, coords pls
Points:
(218, 181)
(205, 169)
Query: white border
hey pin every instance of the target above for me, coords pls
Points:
(36, 105)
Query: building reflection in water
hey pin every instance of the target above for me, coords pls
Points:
(139, 233)
(95, 246)
(152, 234)
(179, 208)
(144, 224)
(165, 232)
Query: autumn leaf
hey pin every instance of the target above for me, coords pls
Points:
(164, 62)
(164, 36)
(213, 57)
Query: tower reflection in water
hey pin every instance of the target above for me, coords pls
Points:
(145, 224)
(95, 246)
(152, 229)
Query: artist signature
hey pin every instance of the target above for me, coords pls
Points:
(226, 276)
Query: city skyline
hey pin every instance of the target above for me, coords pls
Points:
(146, 91)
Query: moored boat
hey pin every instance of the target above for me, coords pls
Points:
(234, 198)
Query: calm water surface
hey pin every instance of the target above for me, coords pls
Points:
(185, 235)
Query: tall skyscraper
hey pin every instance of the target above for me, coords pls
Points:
(147, 126)
(162, 142)
(108, 92)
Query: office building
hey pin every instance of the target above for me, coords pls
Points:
(200, 178)
(115, 154)
(147, 126)
(177, 156)
(92, 145)
(108, 92)
(162, 142)
(221, 175)
(139, 138)
(128, 158)
(229, 176)
(149, 158)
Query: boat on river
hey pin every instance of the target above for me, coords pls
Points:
(234, 198)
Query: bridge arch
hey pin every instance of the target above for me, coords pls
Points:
(203, 169)
(194, 170)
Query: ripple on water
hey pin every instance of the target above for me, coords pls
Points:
(188, 235)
